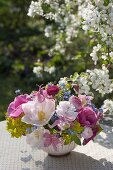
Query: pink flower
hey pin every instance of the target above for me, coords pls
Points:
(67, 110)
(76, 102)
(85, 99)
(87, 117)
(38, 113)
(95, 132)
(62, 123)
(41, 94)
(87, 133)
(15, 107)
(51, 140)
(52, 90)
(35, 139)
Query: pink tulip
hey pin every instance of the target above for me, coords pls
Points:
(87, 117)
(76, 102)
(38, 112)
(15, 107)
(87, 133)
(41, 95)
(95, 132)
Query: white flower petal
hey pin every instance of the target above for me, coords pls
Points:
(37, 113)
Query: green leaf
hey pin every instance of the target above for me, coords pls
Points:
(76, 139)
(106, 2)
(75, 76)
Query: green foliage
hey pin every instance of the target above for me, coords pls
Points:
(76, 139)
(106, 2)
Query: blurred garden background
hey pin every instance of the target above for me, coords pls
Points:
(23, 46)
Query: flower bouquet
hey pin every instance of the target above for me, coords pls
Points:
(55, 118)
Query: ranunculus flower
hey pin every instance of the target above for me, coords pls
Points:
(15, 107)
(76, 102)
(67, 110)
(50, 139)
(38, 113)
(52, 90)
(87, 117)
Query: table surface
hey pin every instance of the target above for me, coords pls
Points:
(15, 154)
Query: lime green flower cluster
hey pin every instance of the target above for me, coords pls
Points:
(16, 127)
(72, 134)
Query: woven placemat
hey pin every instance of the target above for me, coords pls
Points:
(15, 154)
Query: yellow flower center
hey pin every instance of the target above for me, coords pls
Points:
(41, 116)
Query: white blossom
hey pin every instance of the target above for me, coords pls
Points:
(100, 81)
(111, 55)
(108, 106)
(38, 71)
(48, 31)
(84, 87)
(50, 70)
(63, 81)
(98, 17)
(94, 53)
(63, 14)
(35, 8)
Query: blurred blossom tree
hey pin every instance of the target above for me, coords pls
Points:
(71, 19)
(61, 38)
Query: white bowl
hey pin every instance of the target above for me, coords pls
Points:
(61, 149)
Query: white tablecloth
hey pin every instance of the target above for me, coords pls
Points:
(15, 154)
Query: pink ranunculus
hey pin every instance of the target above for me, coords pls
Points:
(52, 90)
(87, 117)
(76, 102)
(51, 140)
(15, 107)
